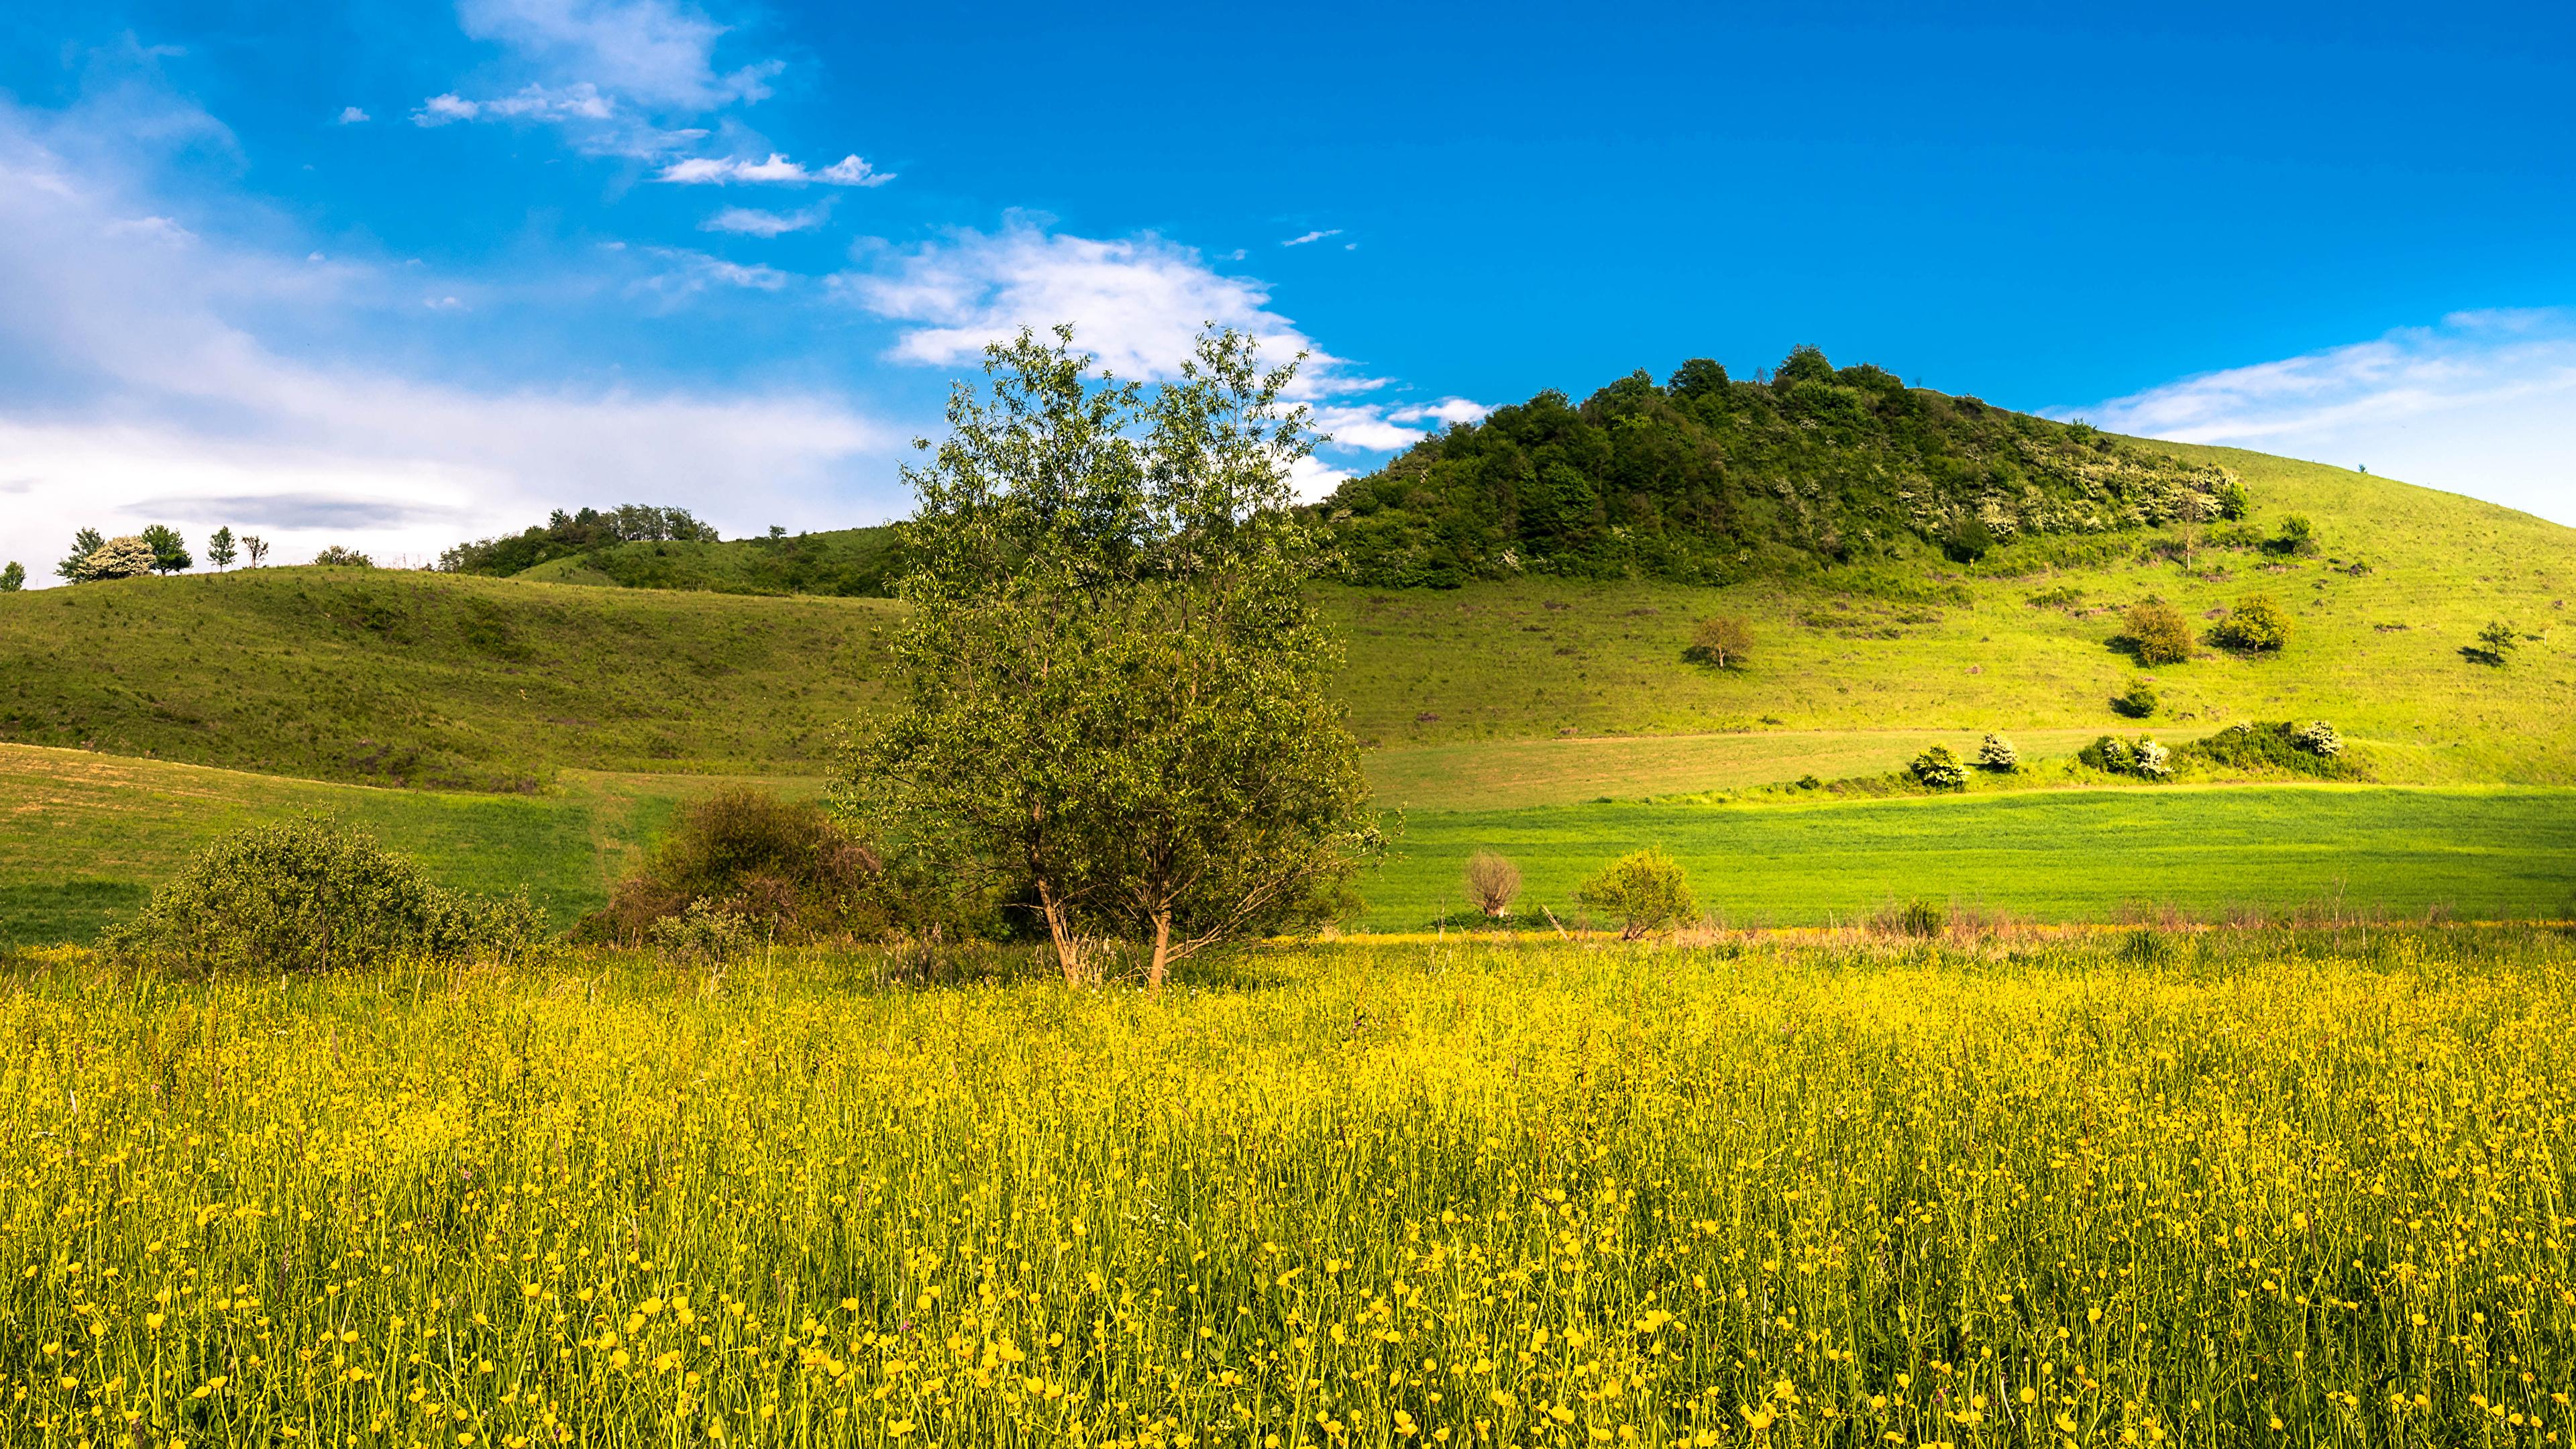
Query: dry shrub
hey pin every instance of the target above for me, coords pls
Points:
(782, 868)
(1492, 883)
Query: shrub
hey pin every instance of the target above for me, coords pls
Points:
(1492, 883)
(1721, 642)
(2138, 703)
(13, 578)
(2257, 625)
(782, 866)
(309, 895)
(2318, 738)
(2141, 757)
(2158, 634)
(704, 932)
(1996, 753)
(119, 558)
(2297, 537)
(2312, 749)
(1644, 890)
(1918, 918)
(1939, 769)
(2232, 500)
(340, 556)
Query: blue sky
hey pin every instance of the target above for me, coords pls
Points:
(397, 275)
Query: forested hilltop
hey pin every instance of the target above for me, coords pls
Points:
(1707, 479)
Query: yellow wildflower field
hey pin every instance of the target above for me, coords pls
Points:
(2212, 1188)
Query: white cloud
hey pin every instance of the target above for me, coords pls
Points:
(352, 116)
(777, 170)
(748, 221)
(1312, 236)
(1137, 302)
(656, 53)
(1447, 410)
(693, 272)
(2483, 403)
(189, 394)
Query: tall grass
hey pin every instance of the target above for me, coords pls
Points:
(2252, 1187)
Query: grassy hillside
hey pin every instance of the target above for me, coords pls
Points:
(2405, 579)
(846, 563)
(497, 683)
(434, 679)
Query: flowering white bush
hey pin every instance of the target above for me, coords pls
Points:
(1998, 755)
(2318, 738)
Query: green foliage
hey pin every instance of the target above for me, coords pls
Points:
(1643, 890)
(2233, 501)
(1721, 642)
(2141, 757)
(2257, 625)
(1117, 718)
(2310, 751)
(785, 868)
(847, 563)
(1996, 755)
(13, 578)
(1707, 480)
(75, 565)
(219, 548)
(169, 550)
(1938, 769)
(2158, 633)
(2138, 702)
(2297, 538)
(1919, 918)
(310, 895)
(340, 556)
(128, 557)
(565, 534)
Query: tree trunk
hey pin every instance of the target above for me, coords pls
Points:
(1068, 946)
(1162, 950)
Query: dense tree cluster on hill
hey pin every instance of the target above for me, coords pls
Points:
(1708, 479)
(571, 533)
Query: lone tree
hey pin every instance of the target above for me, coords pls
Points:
(1643, 890)
(2495, 641)
(75, 568)
(13, 578)
(1721, 642)
(169, 550)
(219, 549)
(1117, 716)
(256, 547)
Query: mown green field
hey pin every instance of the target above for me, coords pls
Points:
(89, 835)
(2487, 852)
(2213, 1189)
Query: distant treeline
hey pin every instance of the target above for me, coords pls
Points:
(565, 534)
(1708, 479)
(642, 547)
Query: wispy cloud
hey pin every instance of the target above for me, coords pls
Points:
(619, 77)
(749, 221)
(352, 116)
(690, 272)
(777, 170)
(2483, 402)
(1312, 236)
(655, 53)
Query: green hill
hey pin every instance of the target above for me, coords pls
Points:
(434, 679)
(1711, 480)
(463, 682)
